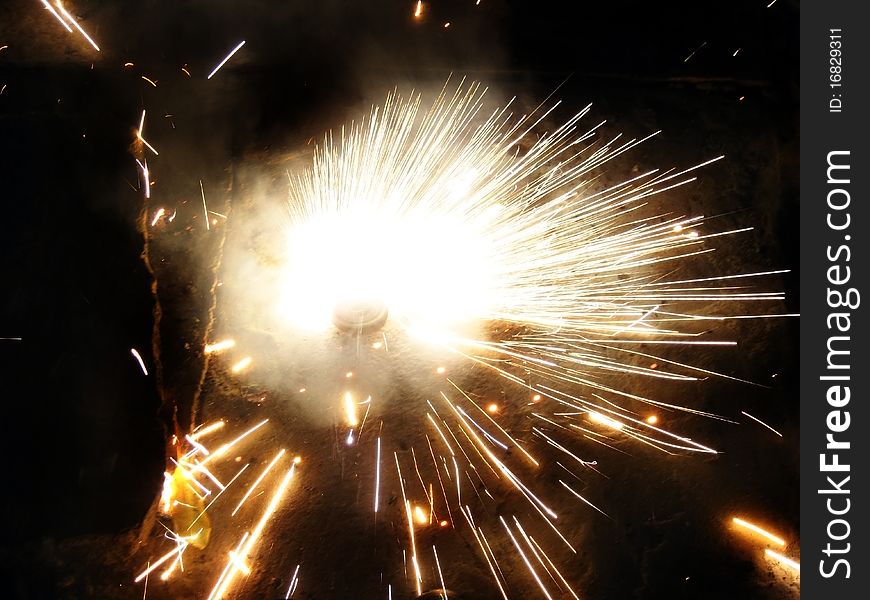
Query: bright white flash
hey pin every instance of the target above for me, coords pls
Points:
(450, 215)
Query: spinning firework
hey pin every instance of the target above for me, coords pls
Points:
(458, 232)
(450, 221)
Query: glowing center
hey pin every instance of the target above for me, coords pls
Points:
(426, 270)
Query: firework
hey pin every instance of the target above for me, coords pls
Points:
(495, 227)
(503, 250)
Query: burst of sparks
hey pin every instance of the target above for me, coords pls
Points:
(495, 229)
(226, 58)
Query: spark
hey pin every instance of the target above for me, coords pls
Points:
(652, 419)
(685, 60)
(145, 175)
(197, 446)
(218, 495)
(441, 370)
(257, 481)
(757, 420)
(239, 563)
(152, 566)
(216, 347)
(525, 559)
(226, 58)
(492, 408)
(228, 446)
(157, 216)
(203, 431)
(138, 358)
(763, 533)
(204, 207)
(294, 581)
(567, 487)
(418, 11)
(50, 9)
(75, 24)
(783, 559)
(151, 81)
(440, 575)
(564, 581)
(245, 548)
(242, 364)
(418, 579)
(226, 571)
(597, 417)
(377, 474)
(771, 3)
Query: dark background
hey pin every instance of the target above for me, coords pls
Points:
(83, 431)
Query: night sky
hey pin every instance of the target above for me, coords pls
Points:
(85, 433)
